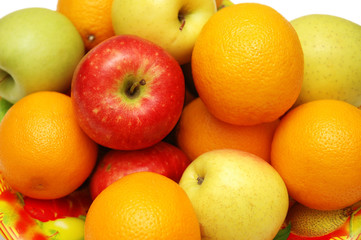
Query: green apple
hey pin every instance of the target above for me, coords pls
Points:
(331, 47)
(68, 228)
(39, 50)
(173, 25)
(4, 107)
(225, 3)
(236, 195)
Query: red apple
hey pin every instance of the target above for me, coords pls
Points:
(128, 93)
(162, 158)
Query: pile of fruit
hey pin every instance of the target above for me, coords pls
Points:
(209, 120)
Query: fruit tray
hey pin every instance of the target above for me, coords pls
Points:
(133, 89)
(27, 218)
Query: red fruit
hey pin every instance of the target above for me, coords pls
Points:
(128, 93)
(162, 158)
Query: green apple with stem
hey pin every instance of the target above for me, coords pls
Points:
(331, 47)
(39, 50)
(67, 228)
(236, 195)
(173, 25)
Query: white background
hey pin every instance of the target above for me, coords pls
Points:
(290, 9)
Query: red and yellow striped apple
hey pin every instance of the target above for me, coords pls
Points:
(128, 93)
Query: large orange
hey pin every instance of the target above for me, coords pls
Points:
(198, 132)
(247, 64)
(92, 18)
(43, 152)
(317, 151)
(142, 206)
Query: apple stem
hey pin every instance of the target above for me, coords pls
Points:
(53, 235)
(135, 85)
(200, 180)
(182, 20)
(3, 75)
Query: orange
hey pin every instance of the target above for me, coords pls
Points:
(43, 152)
(198, 132)
(247, 64)
(317, 151)
(92, 18)
(142, 206)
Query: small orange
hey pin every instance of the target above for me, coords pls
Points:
(43, 152)
(142, 206)
(198, 132)
(247, 64)
(92, 18)
(317, 151)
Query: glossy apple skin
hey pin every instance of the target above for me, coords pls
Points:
(162, 158)
(68, 228)
(39, 50)
(99, 92)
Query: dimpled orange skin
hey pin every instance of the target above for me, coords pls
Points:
(92, 19)
(142, 206)
(247, 64)
(43, 152)
(198, 132)
(317, 151)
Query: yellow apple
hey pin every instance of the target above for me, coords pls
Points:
(236, 195)
(331, 47)
(173, 25)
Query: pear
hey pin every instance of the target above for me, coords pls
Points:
(332, 57)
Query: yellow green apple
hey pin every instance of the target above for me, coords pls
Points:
(331, 47)
(39, 50)
(236, 195)
(173, 25)
(68, 228)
